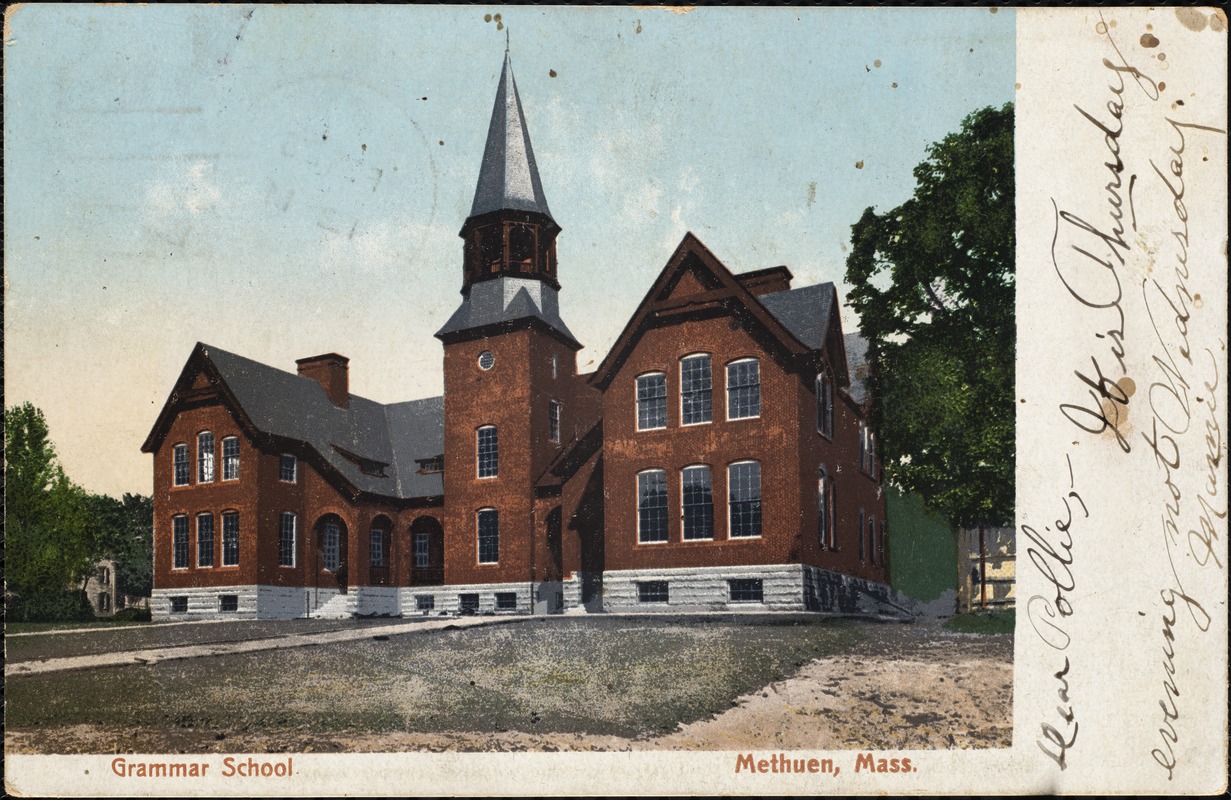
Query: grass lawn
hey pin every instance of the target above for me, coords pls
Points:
(982, 622)
(620, 676)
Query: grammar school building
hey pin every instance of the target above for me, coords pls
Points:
(718, 458)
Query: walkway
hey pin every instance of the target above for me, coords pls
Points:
(172, 653)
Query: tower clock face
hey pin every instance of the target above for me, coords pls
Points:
(487, 360)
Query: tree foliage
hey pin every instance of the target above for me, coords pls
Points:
(55, 531)
(933, 283)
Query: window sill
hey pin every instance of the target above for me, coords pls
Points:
(641, 543)
(651, 430)
(697, 540)
(742, 419)
(696, 424)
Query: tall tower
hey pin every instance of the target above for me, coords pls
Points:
(509, 368)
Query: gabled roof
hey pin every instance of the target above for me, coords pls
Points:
(489, 305)
(509, 176)
(722, 289)
(366, 447)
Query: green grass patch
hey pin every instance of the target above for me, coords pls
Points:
(627, 677)
(982, 622)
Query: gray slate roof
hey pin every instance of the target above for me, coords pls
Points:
(291, 406)
(507, 299)
(509, 176)
(804, 311)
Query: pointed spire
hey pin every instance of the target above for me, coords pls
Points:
(509, 177)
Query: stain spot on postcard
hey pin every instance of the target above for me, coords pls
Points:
(858, 165)
(1149, 40)
(877, 63)
(638, 28)
(551, 73)
(1191, 18)
(811, 193)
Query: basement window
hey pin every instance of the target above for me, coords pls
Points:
(506, 601)
(425, 602)
(468, 603)
(228, 602)
(179, 605)
(652, 592)
(746, 590)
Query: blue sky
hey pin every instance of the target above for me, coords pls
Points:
(282, 181)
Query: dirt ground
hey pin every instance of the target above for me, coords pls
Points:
(901, 687)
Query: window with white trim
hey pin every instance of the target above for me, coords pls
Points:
(696, 390)
(651, 401)
(425, 602)
(422, 553)
(230, 458)
(230, 539)
(180, 472)
(376, 547)
(698, 502)
(288, 468)
(205, 457)
(744, 389)
(179, 542)
(553, 420)
(205, 540)
(331, 537)
(825, 512)
(287, 534)
(867, 450)
(824, 405)
(652, 506)
(744, 491)
(488, 451)
(489, 535)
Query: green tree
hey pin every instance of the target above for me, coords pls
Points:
(124, 531)
(933, 283)
(48, 544)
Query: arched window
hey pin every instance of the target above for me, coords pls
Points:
(652, 506)
(744, 503)
(744, 389)
(230, 539)
(377, 545)
(205, 540)
(179, 474)
(824, 405)
(287, 534)
(698, 502)
(651, 401)
(179, 542)
(230, 458)
(825, 511)
(488, 452)
(205, 457)
(696, 390)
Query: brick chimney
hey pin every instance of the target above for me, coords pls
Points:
(766, 281)
(332, 373)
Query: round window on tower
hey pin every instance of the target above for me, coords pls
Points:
(486, 360)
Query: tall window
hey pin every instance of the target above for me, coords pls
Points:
(825, 511)
(230, 539)
(553, 421)
(824, 405)
(376, 547)
(288, 466)
(230, 458)
(872, 539)
(652, 506)
(862, 542)
(205, 457)
(744, 486)
(489, 536)
(422, 558)
(205, 540)
(744, 389)
(179, 474)
(867, 449)
(286, 540)
(179, 542)
(696, 390)
(331, 536)
(489, 452)
(698, 503)
(651, 401)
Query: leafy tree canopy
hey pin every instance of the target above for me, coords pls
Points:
(933, 283)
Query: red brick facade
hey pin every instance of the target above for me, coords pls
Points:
(562, 504)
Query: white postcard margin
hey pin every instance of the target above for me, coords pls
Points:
(1121, 660)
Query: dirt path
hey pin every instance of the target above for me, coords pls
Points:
(903, 687)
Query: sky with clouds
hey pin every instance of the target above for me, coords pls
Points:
(282, 181)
